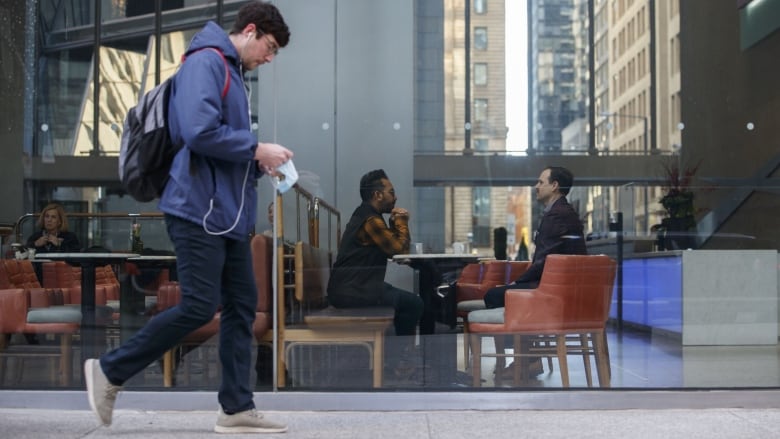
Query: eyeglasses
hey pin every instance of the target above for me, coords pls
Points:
(272, 47)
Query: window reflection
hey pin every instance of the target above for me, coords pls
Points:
(125, 76)
(638, 74)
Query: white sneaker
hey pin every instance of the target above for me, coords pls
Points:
(248, 421)
(100, 392)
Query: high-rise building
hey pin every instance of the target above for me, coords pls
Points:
(472, 212)
(553, 78)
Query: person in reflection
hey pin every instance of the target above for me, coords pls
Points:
(357, 278)
(209, 204)
(560, 231)
(52, 235)
(269, 232)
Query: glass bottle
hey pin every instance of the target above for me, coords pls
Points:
(136, 244)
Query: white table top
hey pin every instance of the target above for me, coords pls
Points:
(440, 256)
(85, 256)
(152, 258)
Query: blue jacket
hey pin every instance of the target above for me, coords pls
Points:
(216, 164)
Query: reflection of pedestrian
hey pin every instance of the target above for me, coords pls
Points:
(210, 207)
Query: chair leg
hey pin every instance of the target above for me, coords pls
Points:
(584, 347)
(466, 362)
(520, 370)
(281, 364)
(168, 368)
(66, 359)
(560, 344)
(475, 341)
(549, 357)
(500, 344)
(606, 349)
(378, 357)
(602, 359)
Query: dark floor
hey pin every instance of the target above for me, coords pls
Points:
(638, 360)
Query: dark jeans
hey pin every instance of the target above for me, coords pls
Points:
(212, 271)
(408, 307)
(494, 298)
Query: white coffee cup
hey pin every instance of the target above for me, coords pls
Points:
(417, 248)
(458, 247)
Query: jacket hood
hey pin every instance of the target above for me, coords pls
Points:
(213, 36)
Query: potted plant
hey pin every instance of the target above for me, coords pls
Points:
(675, 230)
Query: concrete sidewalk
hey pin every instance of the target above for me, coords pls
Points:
(456, 424)
(410, 415)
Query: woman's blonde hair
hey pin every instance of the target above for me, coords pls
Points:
(60, 213)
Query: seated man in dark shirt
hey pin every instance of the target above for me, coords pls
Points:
(357, 277)
(559, 232)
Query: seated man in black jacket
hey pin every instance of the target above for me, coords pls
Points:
(559, 232)
(358, 275)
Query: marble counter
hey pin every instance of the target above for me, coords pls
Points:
(710, 297)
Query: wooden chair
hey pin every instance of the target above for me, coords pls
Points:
(572, 299)
(321, 325)
(169, 295)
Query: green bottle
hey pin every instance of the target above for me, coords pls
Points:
(137, 245)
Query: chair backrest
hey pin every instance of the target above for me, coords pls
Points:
(514, 269)
(105, 277)
(59, 274)
(585, 283)
(312, 272)
(262, 266)
(495, 273)
(13, 310)
(5, 281)
(19, 274)
(471, 273)
(168, 295)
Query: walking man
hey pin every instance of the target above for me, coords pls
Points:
(209, 204)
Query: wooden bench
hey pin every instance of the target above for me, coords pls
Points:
(315, 323)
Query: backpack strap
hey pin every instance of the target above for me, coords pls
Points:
(226, 87)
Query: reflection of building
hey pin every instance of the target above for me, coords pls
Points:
(553, 98)
(637, 96)
(640, 110)
(473, 212)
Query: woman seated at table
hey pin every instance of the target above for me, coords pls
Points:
(52, 235)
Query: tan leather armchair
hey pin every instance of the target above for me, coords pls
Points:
(572, 299)
(470, 296)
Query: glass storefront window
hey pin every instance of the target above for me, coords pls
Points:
(685, 156)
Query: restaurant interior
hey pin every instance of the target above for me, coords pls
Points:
(642, 100)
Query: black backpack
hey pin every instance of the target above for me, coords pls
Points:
(147, 150)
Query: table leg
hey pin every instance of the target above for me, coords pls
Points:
(89, 337)
(130, 310)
